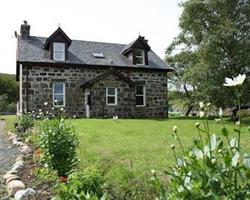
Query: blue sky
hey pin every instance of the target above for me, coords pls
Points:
(116, 21)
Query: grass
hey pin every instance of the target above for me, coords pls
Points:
(141, 144)
(127, 149)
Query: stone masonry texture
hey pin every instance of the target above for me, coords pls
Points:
(38, 88)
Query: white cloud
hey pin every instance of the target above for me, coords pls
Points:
(116, 21)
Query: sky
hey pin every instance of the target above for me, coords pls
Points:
(115, 21)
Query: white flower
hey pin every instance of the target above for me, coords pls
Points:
(220, 112)
(238, 80)
(202, 113)
(237, 123)
(153, 172)
(40, 110)
(61, 109)
(217, 120)
(201, 104)
(213, 161)
(45, 103)
(197, 124)
(172, 146)
(209, 104)
(174, 129)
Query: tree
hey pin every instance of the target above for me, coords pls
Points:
(215, 43)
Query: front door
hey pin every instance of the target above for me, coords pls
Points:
(87, 103)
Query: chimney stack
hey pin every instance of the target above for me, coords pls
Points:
(25, 30)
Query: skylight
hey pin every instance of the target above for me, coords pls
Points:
(98, 55)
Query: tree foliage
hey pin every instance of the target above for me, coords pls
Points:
(215, 43)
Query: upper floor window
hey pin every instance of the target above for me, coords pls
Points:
(111, 96)
(139, 57)
(140, 95)
(58, 51)
(59, 94)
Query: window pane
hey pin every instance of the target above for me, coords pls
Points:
(111, 100)
(58, 88)
(138, 52)
(139, 90)
(111, 91)
(58, 55)
(58, 100)
(139, 60)
(139, 101)
(59, 46)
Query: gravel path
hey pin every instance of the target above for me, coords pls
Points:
(8, 153)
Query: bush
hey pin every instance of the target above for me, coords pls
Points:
(58, 143)
(212, 168)
(24, 122)
(85, 184)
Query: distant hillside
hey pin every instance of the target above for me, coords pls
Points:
(8, 75)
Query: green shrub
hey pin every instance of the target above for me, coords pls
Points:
(24, 122)
(58, 143)
(212, 168)
(85, 184)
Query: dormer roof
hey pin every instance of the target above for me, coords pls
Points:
(58, 34)
(139, 42)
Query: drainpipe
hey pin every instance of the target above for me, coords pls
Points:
(20, 88)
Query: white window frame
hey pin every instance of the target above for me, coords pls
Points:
(140, 57)
(141, 95)
(58, 50)
(64, 95)
(108, 95)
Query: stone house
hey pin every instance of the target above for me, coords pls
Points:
(90, 79)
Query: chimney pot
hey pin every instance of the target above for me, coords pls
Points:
(25, 30)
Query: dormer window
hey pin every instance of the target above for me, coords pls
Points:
(59, 51)
(139, 57)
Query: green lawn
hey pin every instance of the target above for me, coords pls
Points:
(127, 149)
(143, 143)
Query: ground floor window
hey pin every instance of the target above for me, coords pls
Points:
(140, 95)
(59, 94)
(111, 96)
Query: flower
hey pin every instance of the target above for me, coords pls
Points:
(202, 113)
(197, 124)
(217, 120)
(152, 171)
(40, 110)
(220, 112)
(45, 103)
(201, 104)
(238, 80)
(61, 109)
(172, 146)
(213, 161)
(209, 104)
(237, 123)
(174, 129)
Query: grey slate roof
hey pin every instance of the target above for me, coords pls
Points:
(80, 52)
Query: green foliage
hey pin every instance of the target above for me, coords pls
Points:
(213, 167)
(84, 184)
(214, 42)
(24, 122)
(45, 175)
(58, 143)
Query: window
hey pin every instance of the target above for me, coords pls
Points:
(58, 51)
(111, 96)
(140, 95)
(59, 94)
(139, 57)
(98, 55)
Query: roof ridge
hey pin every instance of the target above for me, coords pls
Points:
(83, 40)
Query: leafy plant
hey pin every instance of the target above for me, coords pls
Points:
(212, 168)
(24, 122)
(58, 143)
(85, 184)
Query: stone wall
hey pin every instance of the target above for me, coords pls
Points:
(38, 88)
